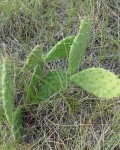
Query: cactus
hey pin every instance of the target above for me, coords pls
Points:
(99, 82)
(7, 90)
(17, 130)
(32, 88)
(33, 59)
(8, 97)
(77, 50)
(53, 82)
(60, 50)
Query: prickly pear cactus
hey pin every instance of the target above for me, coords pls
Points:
(32, 88)
(99, 82)
(7, 90)
(60, 50)
(33, 59)
(16, 128)
(52, 83)
(77, 50)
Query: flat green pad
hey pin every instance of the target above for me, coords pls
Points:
(33, 59)
(52, 83)
(99, 82)
(78, 48)
(7, 90)
(60, 50)
(32, 88)
(17, 129)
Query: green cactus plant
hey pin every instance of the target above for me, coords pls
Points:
(7, 90)
(14, 118)
(52, 83)
(99, 82)
(33, 59)
(32, 88)
(79, 45)
(76, 47)
(16, 127)
(60, 50)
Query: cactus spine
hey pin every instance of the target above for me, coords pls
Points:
(7, 90)
(33, 59)
(60, 50)
(99, 82)
(77, 50)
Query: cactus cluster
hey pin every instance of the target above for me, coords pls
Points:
(97, 81)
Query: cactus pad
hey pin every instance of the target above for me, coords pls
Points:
(60, 50)
(17, 130)
(7, 90)
(33, 59)
(52, 83)
(99, 82)
(77, 50)
(32, 88)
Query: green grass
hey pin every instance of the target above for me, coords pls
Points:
(87, 123)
